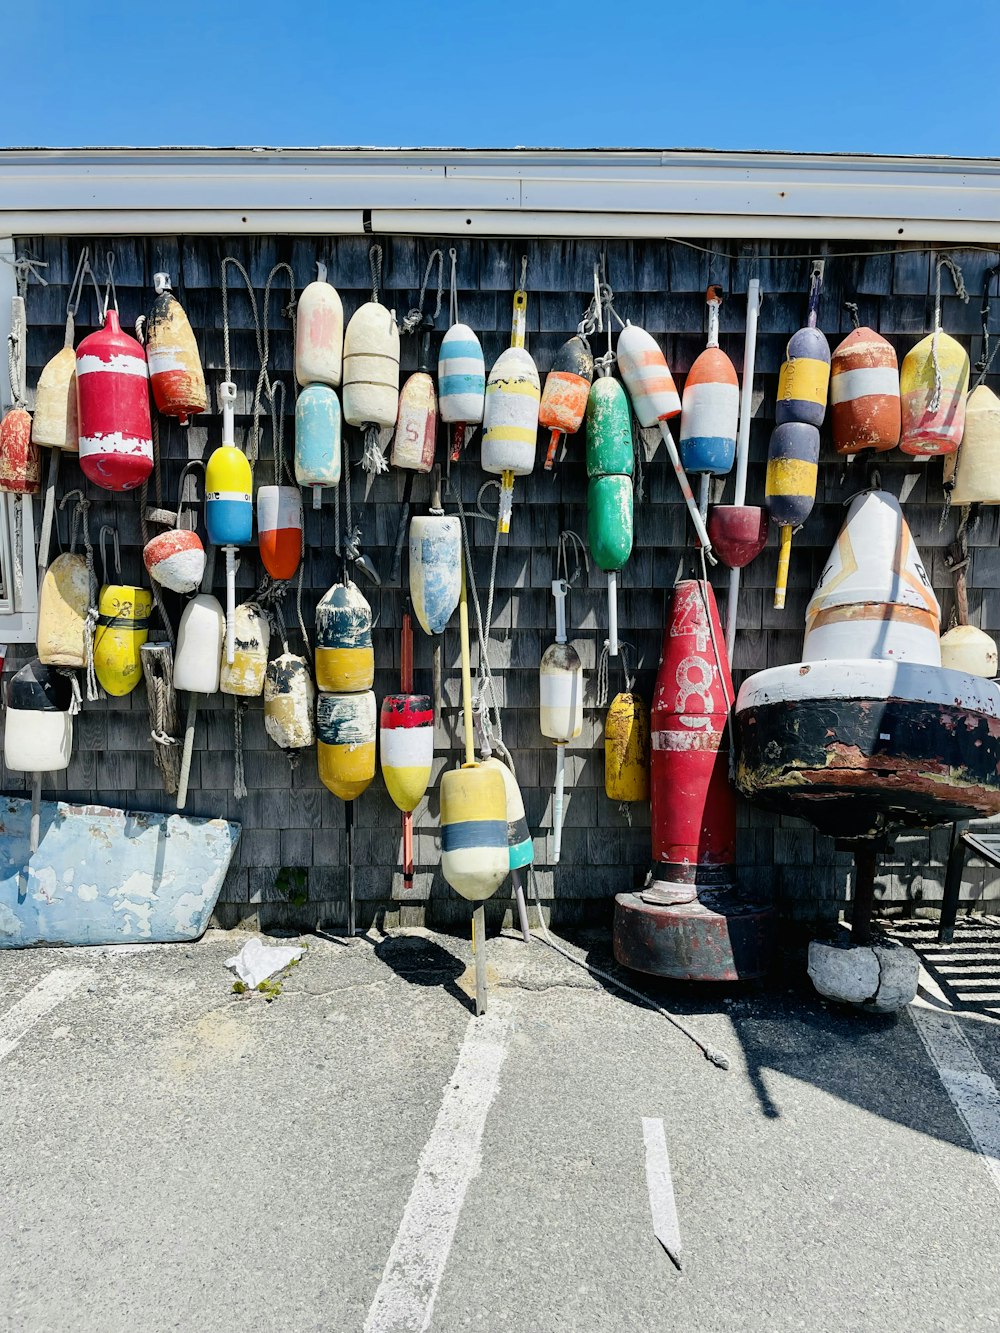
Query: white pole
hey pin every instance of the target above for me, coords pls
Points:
(612, 613)
(557, 802)
(743, 448)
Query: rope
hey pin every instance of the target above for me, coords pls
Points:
(603, 672)
(144, 529)
(944, 261)
(416, 316)
(453, 292)
(76, 699)
(718, 1057)
(852, 309)
(373, 459)
(159, 733)
(76, 295)
(571, 544)
(263, 339)
(986, 359)
(81, 521)
(110, 290)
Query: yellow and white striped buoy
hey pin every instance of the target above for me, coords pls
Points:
(345, 742)
(474, 854)
(345, 658)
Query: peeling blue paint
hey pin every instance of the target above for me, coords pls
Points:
(106, 876)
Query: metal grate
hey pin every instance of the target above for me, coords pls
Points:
(967, 971)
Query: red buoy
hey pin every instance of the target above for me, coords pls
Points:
(20, 460)
(112, 387)
(690, 921)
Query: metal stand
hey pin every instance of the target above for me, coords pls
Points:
(953, 883)
(479, 953)
(865, 864)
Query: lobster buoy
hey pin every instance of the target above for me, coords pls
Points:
(626, 749)
(319, 335)
(20, 458)
(38, 727)
(371, 367)
(317, 436)
(406, 742)
(968, 649)
(609, 494)
(200, 637)
(693, 808)
(864, 394)
(345, 659)
(289, 699)
(123, 612)
(644, 369)
(933, 381)
(475, 857)
(790, 487)
(873, 598)
(560, 693)
(279, 530)
(461, 383)
(510, 422)
(112, 392)
(63, 606)
(244, 676)
(415, 439)
(804, 379)
(229, 502)
(567, 389)
(54, 424)
(977, 476)
(345, 742)
(435, 546)
(520, 847)
(175, 559)
(175, 372)
(710, 407)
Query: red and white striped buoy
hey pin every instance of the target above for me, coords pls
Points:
(112, 386)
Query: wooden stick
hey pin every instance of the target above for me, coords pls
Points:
(479, 950)
(36, 812)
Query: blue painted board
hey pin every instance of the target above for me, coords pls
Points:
(106, 876)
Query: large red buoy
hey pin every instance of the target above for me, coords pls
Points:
(112, 387)
(690, 921)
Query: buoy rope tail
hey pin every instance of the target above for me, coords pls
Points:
(721, 1059)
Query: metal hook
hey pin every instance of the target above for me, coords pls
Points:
(110, 290)
(194, 466)
(106, 528)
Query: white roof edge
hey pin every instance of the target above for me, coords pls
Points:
(540, 192)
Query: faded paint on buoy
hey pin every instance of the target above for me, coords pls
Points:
(112, 392)
(371, 367)
(560, 693)
(54, 422)
(200, 638)
(38, 724)
(415, 439)
(804, 379)
(626, 749)
(435, 545)
(123, 612)
(968, 649)
(175, 559)
(289, 697)
(475, 857)
(244, 676)
(977, 476)
(175, 370)
(319, 335)
(566, 392)
(928, 431)
(646, 373)
(279, 530)
(864, 394)
(345, 658)
(406, 742)
(874, 598)
(20, 458)
(461, 376)
(318, 448)
(345, 742)
(510, 419)
(609, 467)
(520, 847)
(63, 606)
(792, 467)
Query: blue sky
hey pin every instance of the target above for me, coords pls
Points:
(882, 76)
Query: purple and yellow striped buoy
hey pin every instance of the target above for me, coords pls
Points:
(790, 487)
(804, 379)
(475, 857)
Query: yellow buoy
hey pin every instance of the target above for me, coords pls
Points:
(54, 423)
(475, 857)
(244, 676)
(123, 613)
(977, 475)
(288, 702)
(345, 742)
(626, 749)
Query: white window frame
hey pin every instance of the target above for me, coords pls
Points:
(18, 607)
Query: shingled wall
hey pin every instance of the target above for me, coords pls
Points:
(290, 822)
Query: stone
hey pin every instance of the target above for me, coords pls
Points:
(881, 977)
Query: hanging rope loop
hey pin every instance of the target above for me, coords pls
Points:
(986, 356)
(943, 261)
(375, 264)
(418, 314)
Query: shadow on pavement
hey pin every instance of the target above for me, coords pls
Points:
(423, 962)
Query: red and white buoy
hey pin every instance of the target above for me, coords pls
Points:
(112, 386)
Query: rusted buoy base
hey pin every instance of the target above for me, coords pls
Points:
(722, 935)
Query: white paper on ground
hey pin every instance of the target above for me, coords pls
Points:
(257, 961)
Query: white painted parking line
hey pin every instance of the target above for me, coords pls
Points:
(43, 997)
(973, 1093)
(405, 1298)
(660, 1183)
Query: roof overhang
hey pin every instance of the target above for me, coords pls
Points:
(510, 192)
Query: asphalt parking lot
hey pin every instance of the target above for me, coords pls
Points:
(361, 1154)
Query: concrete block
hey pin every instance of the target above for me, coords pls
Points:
(881, 977)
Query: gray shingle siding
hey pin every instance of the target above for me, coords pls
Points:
(289, 819)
